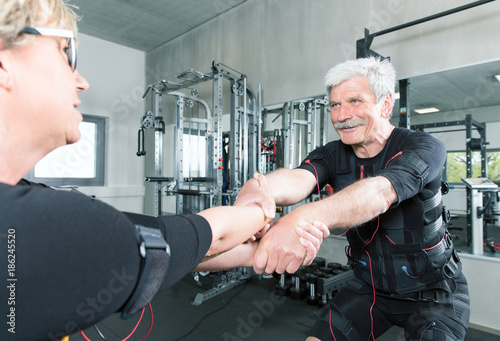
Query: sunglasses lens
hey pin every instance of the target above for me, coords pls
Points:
(71, 53)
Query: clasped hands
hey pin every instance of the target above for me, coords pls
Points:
(290, 243)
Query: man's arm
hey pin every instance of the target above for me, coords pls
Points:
(231, 226)
(242, 255)
(350, 207)
(290, 186)
(286, 187)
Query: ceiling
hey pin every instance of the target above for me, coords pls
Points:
(146, 24)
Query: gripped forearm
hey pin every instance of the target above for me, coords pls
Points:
(240, 256)
(352, 206)
(290, 186)
(231, 225)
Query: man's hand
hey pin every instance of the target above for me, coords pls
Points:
(262, 232)
(286, 248)
(256, 192)
(311, 236)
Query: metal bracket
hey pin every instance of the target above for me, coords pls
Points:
(329, 285)
(224, 281)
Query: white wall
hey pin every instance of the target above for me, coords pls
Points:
(116, 77)
(287, 46)
(483, 274)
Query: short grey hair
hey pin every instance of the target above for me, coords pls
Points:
(379, 72)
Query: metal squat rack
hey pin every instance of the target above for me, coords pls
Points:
(303, 129)
(229, 158)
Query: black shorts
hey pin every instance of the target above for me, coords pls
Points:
(350, 315)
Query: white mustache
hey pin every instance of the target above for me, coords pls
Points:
(350, 124)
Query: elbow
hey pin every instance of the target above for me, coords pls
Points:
(215, 249)
(388, 199)
(387, 193)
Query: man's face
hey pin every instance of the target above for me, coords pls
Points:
(354, 112)
(47, 89)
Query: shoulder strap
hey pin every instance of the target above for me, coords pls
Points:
(345, 166)
(345, 158)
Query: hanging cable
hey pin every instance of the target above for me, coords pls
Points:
(331, 329)
(374, 295)
(317, 179)
(131, 333)
(319, 196)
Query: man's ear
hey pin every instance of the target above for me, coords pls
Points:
(387, 106)
(5, 71)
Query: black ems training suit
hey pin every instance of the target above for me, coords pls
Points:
(404, 261)
(75, 260)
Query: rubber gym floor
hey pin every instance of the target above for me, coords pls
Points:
(247, 312)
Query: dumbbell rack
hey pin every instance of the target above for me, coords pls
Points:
(327, 286)
(322, 282)
(224, 281)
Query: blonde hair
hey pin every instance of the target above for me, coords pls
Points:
(17, 14)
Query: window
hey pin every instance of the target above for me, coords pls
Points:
(78, 164)
(493, 165)
(456, 165)
(194, 163)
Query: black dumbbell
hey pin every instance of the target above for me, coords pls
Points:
(325, 269)
(345, 268)
(320, 261)
(282, 289)
(328, 275)
(334, 266)
(297, 292)
(319, 273)
(313, 297)
(312, 267)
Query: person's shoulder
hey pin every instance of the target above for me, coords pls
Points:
(5, 188)
(16, 197)
(421, 140)
(28, 193)
(24, 182)
(23, 187)
(332, 145)
(414, 136)
(328, 150)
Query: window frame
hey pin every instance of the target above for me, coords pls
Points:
(99, 170)
(444, 175)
